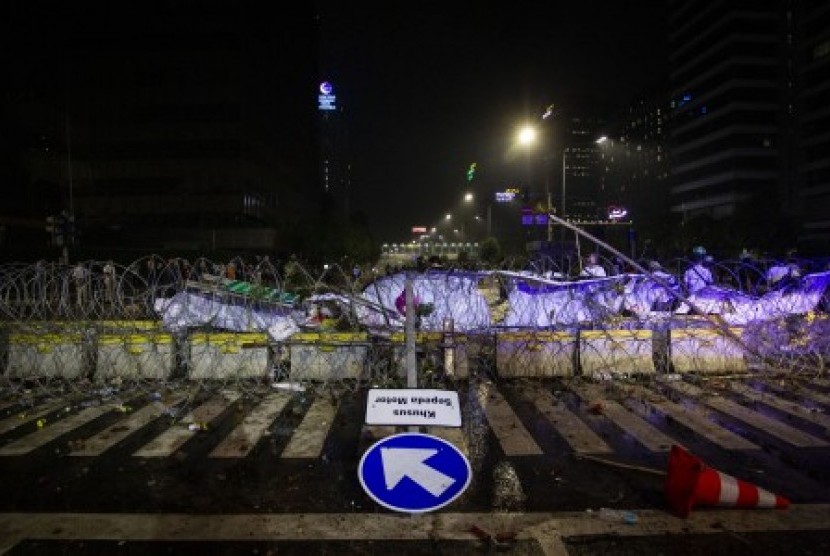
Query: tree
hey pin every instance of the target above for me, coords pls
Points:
(490, 250)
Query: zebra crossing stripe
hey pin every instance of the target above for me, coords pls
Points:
(505, 424)
(308, 439)
(802, 392)
(644, 433)
(12, 422)
(691, 419)
(175, 437)
(775, 428)
(247, 434)
(115, 433)
(52, 431)
(576, 433)
(785, 406)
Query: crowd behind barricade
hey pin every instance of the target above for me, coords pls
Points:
(776, 301)
(105, 289)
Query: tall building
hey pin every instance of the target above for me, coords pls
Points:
(580, 180)
(750, 128)
(176, 125)
(633, 163)
(335, 168)
(728, 101)
(811, 73)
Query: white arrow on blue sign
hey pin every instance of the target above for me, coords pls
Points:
(413, 472)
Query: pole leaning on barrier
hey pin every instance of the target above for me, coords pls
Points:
(411, 361)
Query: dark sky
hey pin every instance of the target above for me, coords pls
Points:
(429, 88)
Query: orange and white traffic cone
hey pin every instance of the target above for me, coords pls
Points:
(690, 482)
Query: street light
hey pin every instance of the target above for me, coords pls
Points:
(564, 188)
(527, 137)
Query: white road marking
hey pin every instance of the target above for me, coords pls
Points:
(175, 437)
(514, 438)
(247, 434)
(310, 436)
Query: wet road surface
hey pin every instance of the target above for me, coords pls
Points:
(538, 449)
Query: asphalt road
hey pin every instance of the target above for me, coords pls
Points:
(257, 472)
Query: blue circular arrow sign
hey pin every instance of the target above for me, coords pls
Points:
(414, 472)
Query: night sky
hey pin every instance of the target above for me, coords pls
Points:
(429, 88)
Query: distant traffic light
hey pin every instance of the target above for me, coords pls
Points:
(471, 171)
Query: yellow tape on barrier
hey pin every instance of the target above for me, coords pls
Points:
(329, 337)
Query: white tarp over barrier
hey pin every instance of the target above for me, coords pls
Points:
(454, 295)
(190, 310)
(531, 301)
(737, 308)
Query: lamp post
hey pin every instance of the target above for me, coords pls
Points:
(564, 180)
(528, 137)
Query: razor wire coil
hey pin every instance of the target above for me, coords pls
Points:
(159, 322)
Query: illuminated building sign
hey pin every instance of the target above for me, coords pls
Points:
(419, 229)
(617, 213)
(507, 195)
(531, 217)
(326, 99)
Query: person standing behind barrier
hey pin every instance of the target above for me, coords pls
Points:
(783, 274)
(747, 273)
(697, 276)
(79, 278)
(109, 282)
(150, 277)
(592, 267)
(663, 299)
(40, 281)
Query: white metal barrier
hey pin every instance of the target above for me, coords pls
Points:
(535, 354)
(605, 353)
(322, 356)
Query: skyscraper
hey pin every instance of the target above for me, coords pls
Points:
(727, 80)
(335, 170)
(750, 131)
(811, 74)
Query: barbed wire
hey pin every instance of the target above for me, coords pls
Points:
(254, 325)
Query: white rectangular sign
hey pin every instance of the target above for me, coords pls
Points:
(413, 407)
